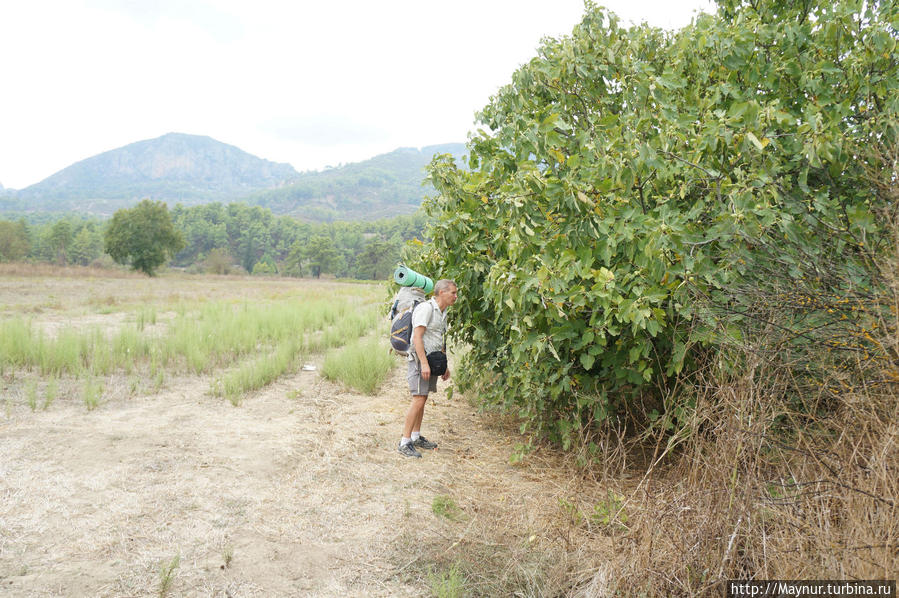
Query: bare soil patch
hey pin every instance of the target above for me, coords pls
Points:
(298, 492)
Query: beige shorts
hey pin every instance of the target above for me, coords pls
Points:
(417, 384)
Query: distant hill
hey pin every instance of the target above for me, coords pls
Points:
(386, 185)
(191, 170)
(175, 167)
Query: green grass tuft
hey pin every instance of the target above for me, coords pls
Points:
(362, 364)
(445, 506)
(16, 342)
(257, 373)
(449, 583)
(167, 575)
(31, 394)
(64, 354)
(93, 391)
(51, 391)
(146, 315)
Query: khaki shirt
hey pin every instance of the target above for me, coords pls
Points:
(428, 314)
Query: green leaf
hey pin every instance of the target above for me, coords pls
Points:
(755, 140)
(587, 360)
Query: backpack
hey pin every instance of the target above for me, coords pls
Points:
(404, 303)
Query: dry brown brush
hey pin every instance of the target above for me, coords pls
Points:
(788, 467)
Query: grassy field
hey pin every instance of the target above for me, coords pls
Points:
(163, 437)
(106, 339)
(166, 437)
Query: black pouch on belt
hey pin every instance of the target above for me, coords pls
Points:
(437, 363)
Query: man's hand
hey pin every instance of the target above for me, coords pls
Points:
(445, 375)
(425, 370)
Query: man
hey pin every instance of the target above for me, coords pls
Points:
(428, 329)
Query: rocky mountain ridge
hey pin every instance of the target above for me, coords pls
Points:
(192, 170)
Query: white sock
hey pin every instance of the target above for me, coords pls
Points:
(416, 436)
(406, 441)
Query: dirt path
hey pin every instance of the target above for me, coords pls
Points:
(297, 492)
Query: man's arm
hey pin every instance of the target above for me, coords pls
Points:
(418, 334)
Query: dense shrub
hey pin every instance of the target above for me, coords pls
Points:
(632, 186)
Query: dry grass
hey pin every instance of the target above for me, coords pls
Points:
(42, 270)
(736, 501)
(301, 491)
(508, 530)
(47, 292)
(744, 500)
(298, 492)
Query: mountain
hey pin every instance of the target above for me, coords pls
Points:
(175, 167)
(191, 170)
(386, 185)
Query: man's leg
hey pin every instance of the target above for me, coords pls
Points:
(414, 415)
(415, 412)
(419, 389)
(412, 426)
(424, 387)
(419, 441)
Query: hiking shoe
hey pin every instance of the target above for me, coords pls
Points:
(424, 443)
(407, 450)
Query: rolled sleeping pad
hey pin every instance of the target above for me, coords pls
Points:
(406, 277)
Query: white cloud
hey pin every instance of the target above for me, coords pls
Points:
(309, 83)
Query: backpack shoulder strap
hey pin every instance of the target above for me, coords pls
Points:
(417, 304)
(392, 313)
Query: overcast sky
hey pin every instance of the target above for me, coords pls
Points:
(312, 84)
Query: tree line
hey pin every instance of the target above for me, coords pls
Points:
(224, 239)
